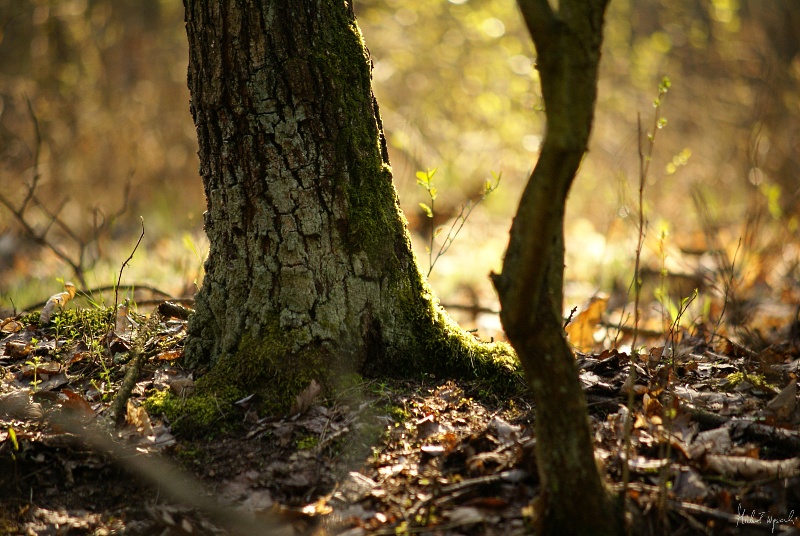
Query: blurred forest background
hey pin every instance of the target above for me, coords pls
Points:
(93, 97)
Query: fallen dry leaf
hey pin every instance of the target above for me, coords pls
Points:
(169, 355)
(182, 386)
(56, 300)
(581, 329)
(18, 405)
(76, 405)
(784, 404)
(124, 325)
(137, 416)
(10, 325)
(304, 400)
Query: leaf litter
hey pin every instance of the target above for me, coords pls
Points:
(715, 442)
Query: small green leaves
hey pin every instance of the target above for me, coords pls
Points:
(425, 179)
(428, 210)
(489, 187)
(663, 88)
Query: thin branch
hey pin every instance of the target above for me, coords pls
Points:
(124, 264)
(41, 239)
(36, 152)
(78, 262)
(133, 286)
(645, 157)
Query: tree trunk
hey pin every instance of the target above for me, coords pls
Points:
(531, 284)
(310, 274)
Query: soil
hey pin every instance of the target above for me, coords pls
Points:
(714, 444)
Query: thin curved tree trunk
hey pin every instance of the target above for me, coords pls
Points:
(310, 274)
(531, 284)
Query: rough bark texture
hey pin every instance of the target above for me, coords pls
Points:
(310, 273)
(530, 286)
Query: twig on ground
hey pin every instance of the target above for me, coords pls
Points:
(174, 309)
(622, 328)
(138, 356)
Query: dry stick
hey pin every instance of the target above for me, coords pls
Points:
(636, 288)
(137, 349)
(648, 333)
(447, 493)
(55, 219)
(124, 264)
(133, 286)
(644, 168)
(666, 450)
(471, 308)
(19, 214)
(97, 229)
(41, 239)
(137, 353)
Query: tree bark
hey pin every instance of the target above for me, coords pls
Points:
(531, 283)
(310, 274)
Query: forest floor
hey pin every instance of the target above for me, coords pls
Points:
(713, 449)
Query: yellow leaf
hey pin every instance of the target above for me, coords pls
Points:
(581, 330)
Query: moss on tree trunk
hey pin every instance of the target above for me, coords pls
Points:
(310, 273)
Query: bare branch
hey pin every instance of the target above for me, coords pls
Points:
(78, 262)
(124, 264)
(36, 151)
(87, 293)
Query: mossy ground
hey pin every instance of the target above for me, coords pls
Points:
(441, 349)
(259, 367)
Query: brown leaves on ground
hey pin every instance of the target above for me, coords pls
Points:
(714, 441)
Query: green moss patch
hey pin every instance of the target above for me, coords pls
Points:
(442, 348)
(202, 414)
(258, 367)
